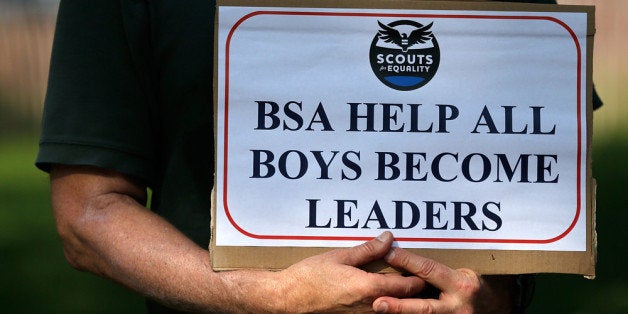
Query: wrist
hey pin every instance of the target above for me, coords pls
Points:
(252, 291)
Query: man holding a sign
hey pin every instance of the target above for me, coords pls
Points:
(129, 107)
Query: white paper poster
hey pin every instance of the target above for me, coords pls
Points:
(452, 129)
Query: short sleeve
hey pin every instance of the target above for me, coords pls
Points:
(96, 111)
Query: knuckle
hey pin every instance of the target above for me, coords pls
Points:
(396, 308)
(402, 307)
(428, 309)
(471, 284)
(367, 249)
(427, 267)
(470, 287)
(403, 260)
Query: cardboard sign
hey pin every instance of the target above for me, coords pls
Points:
(463, 128)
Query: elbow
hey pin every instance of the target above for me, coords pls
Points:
(74, 259)
(70, 232)
(82, 228)
(88, 206)
(71, 249)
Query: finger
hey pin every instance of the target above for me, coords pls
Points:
(398, 286)
(394, 305)
(439, 275)
(365, 252)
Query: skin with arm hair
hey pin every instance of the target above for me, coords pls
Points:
(106, 230)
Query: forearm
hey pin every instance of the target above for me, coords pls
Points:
(114, 240)
(111, 234)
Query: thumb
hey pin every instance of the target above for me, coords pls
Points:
(365, 252)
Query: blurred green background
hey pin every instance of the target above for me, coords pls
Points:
(34, 277)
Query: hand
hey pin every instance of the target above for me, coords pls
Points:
(331, 281)
(462, 290)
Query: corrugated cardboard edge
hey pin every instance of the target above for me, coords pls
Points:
(482, 261)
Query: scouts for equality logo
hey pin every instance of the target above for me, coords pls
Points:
(404, 54)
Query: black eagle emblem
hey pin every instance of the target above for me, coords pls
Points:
(418, 36)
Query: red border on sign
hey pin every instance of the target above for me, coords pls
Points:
(403, 15)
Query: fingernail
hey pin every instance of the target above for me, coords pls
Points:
(382, 307)
(383, 237)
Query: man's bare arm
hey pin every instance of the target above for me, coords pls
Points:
(106, 230)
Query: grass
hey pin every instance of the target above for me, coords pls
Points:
(35, 277)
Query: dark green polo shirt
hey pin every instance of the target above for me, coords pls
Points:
(130, 90)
